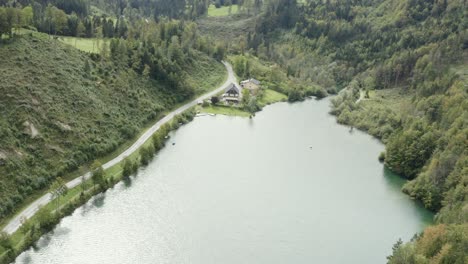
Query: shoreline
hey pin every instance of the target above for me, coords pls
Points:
(111, 167)
(120, 182)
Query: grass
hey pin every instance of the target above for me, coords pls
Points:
(395, 99)
(270, 96)
(84, 44)
(222, 11)
(24, 31)
(225, 110)
(227, 28)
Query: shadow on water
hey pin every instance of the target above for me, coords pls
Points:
(44, 241)
(98, 201)
(396, 182)
(26, 260)
(85, 209)
(251, 121)
(127, 182)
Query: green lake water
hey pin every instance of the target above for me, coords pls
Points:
(288, 186)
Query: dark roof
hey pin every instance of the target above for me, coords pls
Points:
(232, 86)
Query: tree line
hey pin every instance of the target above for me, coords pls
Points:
(412, 46)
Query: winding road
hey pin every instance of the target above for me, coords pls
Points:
(27, 213)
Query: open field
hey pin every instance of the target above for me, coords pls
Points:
(222, 11)
(223, 28)
(270, 96)
(85, 44)
(225, 110)
(92, 45)
(388, 99)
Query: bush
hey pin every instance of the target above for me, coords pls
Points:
(295, 95)
(146, 153)
(158, 141)
(46, 220)
(5, 241)
(382, 156)
(127, 168)
(214, 100)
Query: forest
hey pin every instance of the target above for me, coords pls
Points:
(397, 69)
(415, 48)
(77, 18)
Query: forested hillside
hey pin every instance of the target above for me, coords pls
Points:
(93, 18)
(400, 69)
(62, 108)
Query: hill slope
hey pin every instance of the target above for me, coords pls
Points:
(400, 67)
(61, 108)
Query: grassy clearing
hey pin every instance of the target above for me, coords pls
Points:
(388, 100)
(91, 45)
(269, 96)
(226, 28)
(222, 11)
(225, 110)
(24, 31)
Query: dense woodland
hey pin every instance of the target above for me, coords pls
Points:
(80, 18)
(394, 64)
(414, 46)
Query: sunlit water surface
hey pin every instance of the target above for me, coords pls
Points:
(288, 186)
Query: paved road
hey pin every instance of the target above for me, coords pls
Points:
(27, 213)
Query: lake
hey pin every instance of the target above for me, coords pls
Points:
(288, 186)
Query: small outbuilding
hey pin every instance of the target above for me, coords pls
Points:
(251, 84)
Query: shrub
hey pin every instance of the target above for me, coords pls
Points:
(214, 100)
(127, 168)
(295, 95)
(382, 156)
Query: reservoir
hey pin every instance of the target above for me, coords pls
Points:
(287, 186)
